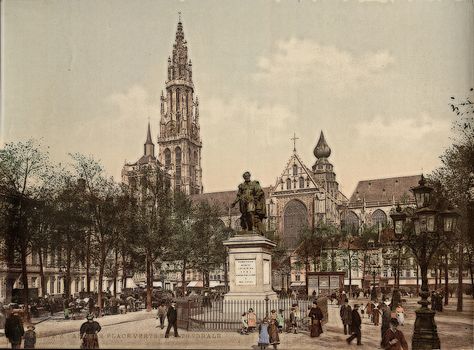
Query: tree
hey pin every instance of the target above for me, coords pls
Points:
(183, 239)
(24, 175)
(209, 252)
(308, 250)
(102, 196)
(151, 209)
(456, 179)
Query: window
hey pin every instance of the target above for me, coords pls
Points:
(295, 169)
(297, 277)
(51, 285)
(301, 182)
(352, 222)
(288, 184)
(379, 218)
(167, 158)
(33, 282)
(178, 169)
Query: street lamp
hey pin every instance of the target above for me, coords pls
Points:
(424, 240)
(375, 269)
(398, 218)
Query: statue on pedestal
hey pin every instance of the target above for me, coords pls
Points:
(251, 199)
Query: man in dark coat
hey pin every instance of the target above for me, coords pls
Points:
(346, 316)
(355, 326)
(172, 316)
(14, 330)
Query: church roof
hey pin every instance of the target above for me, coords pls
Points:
(223, 199)
(148, 136)
(322, 149)
(379, 191)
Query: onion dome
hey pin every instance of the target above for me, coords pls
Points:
(322, 149)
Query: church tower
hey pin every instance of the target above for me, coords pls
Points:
(179, 141)
(323, 170)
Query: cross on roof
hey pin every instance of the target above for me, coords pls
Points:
(294, 138)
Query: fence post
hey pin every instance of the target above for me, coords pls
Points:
(188, 314)
(266, 306)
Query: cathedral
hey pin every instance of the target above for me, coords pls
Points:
(179, 140)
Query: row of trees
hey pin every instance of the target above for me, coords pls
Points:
(82, 218)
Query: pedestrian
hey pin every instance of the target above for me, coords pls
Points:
(273, 314)
(369, 310)
(14, 330)
(88, 333)
(263, 336)
(393, 338)
(30, 337)
(314, 293)
(400, 314)
(386, 316)
(355, 326)
(161, 314)
(252, 320)
(280, 320)
(273, 333)
(376, 313)
(316, 316)
(346, 316)
(245, 324)
(294, 319)
(172, 317)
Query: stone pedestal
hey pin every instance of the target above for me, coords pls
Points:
(250, 268)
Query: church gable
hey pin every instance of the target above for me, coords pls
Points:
(296, 177)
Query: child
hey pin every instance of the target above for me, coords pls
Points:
(294, 318)
(245, 324)
(263, 336)
(400, 314)
(30, 338)
(252, 320)
(281, 320)
(273, 333)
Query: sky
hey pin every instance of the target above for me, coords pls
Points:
(376, 76)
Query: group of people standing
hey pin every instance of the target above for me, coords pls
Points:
(15, 332)
(391, 337)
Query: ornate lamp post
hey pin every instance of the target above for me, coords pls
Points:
(424, 241)
(398, 218)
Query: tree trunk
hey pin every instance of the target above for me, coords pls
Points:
(42, 278)
(183, 278)
(99, 292)
(446, 280)
(24, 278)
(306, 267)
(149, 283)
(460, 271)
(436, 278)
(417, 279)
(67, 277)
(472, 277)
(88, 262)
(115, 273)
(350, 275)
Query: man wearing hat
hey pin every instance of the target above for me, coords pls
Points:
(88, 332)
(172, 316)
(393, 339)
(14, 330)
(355, 326)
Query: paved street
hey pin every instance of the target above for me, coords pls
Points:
(138, 330)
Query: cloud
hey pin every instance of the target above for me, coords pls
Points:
(402, 130)
(297, 61)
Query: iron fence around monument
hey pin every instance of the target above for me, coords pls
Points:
(200, 314)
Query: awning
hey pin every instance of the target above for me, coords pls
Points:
(195, 284)
(130, 283)
(297, 284)
(213, 284)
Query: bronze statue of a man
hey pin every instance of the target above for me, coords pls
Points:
(252, 206)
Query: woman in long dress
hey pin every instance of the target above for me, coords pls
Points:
(316, 316)
(376, 313)
(273, 333)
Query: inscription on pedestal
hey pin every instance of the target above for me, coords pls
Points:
(245, 272)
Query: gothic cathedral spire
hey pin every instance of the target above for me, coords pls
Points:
(179, 141)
